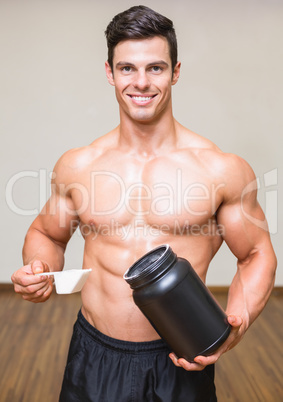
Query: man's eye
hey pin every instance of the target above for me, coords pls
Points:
(156, 69)
(126, 69)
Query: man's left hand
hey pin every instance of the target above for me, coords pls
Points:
(200, 362)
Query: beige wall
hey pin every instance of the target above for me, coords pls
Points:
(54, 96)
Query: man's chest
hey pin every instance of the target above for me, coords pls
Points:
(158, 192)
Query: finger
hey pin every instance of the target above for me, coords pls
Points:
(185, 364)
(45, 295)
(207, 360)
(27, 294)
(174, 359)
(190, 366)
(37, 267)
(40, 296)
(29, 283)
(235, 321)
(39, 288)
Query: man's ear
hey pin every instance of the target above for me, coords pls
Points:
(176, 73)
(109, 73)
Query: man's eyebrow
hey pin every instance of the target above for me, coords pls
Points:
(158, 63)
(124, 63)
(155, 63)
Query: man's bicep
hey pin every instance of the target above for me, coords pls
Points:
(244, 227)
(242, 220)
(58, 219)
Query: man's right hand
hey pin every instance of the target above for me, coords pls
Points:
(31, 287)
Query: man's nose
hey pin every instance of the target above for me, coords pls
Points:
(141, 80)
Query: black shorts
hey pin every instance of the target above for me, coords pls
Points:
(103, 369)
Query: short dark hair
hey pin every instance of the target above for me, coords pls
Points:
(140, 22)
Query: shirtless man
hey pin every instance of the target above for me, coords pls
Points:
(148, 182)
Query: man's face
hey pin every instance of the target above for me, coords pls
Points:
(142, 76)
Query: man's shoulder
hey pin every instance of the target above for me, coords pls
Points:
(230, 168)
(227, 168)
(76, 157)
(188, 139)
(208, 151)
(236, 176)
(76, 160)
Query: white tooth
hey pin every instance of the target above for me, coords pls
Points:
(142, 98)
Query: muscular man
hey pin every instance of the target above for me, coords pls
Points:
(148, 182)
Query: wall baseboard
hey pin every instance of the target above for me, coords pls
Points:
(6, 286)
(278, 290)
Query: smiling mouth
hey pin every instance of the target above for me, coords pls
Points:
(141, 98)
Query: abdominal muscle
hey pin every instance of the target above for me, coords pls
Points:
(107, 301)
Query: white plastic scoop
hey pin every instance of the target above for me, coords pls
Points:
(70, 280)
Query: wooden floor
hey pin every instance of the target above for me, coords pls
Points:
(34, 342)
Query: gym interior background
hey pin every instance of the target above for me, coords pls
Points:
(54, 96)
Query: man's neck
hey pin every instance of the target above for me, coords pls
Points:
(148, 138)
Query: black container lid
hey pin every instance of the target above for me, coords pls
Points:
(150, 267)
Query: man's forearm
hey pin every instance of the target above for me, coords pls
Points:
(251, 287)
(38, 246)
